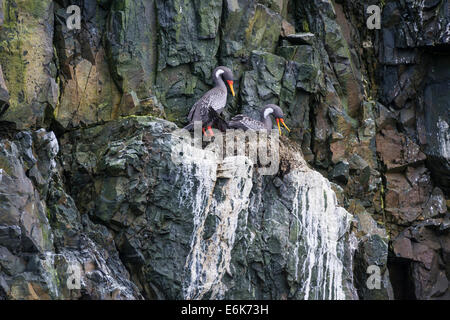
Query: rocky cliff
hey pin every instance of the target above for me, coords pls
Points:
(93, 205)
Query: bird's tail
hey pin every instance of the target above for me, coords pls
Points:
(233, 124)
(217, 121)
(221, 124)
(189, 127)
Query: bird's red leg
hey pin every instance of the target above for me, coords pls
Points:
(204, 132)
(210, 131)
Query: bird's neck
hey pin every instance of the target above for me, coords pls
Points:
(218, 82)
(267, 121)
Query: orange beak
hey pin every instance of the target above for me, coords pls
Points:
(282, 121)
(230, 83)
(278, 124)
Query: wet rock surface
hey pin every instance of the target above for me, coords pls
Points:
(87, 185)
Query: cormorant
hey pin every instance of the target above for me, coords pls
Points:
(209, 107)
(243, 122)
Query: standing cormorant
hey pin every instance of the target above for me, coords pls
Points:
(243, 122)
(209, 107)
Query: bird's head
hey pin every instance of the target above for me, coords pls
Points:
(226, 74)
(277, 113)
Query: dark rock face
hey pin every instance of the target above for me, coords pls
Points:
(371, 251)
(434, 123)
(42, 235)
(412, 136)
(368, 109)
(131, 45)
(420, 100)
(424, 247)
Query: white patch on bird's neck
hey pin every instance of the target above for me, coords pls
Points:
(219, 72)
(267, 112)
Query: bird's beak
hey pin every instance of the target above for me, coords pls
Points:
(282, 121)
(230, 83)
(278, 124)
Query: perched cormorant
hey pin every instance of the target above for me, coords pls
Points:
(209, 107)
(245, 123)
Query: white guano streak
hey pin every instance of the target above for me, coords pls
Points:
(199, 174)
(315, 211)
(209, 259)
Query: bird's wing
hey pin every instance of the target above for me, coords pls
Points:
(241, 121)
(216, 120)
(191, 113)
(214, 98)
(252, 123)
(237, 117)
